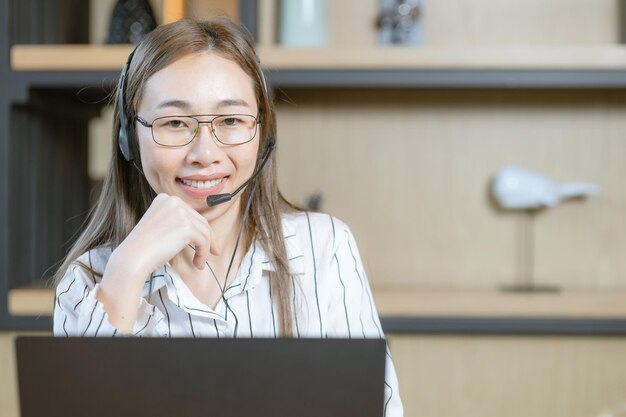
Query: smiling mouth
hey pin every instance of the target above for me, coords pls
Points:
(201, 185)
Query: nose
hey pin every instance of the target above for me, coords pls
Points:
(204, 149)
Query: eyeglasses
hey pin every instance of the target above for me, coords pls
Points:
(228, 129)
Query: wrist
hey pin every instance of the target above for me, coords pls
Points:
(127, 261)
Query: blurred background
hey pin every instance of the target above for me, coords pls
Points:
(394, 116)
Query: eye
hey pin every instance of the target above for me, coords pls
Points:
(176, 124)
(231, 121)
(172, 123)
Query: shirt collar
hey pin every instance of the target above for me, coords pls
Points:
(154, 282)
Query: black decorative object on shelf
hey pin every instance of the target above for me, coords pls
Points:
(131, 21)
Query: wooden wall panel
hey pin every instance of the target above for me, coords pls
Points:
(100, 134)
(201, 9)
(410, 172)
(472, 22)
(445, 376)
(533, 22)
(9, 400)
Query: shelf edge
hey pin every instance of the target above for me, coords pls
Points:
(109, 57)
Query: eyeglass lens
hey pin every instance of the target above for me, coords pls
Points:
(231, 129)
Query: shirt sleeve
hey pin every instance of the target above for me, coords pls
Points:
(352, 311)
(77, 311)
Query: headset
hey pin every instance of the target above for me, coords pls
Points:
(123, 139)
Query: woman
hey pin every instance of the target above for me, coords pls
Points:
(157, 258)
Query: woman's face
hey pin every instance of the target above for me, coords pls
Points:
(198, 84)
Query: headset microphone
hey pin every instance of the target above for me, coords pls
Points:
(214, 200)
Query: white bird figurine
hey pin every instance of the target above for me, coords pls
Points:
(519, 188)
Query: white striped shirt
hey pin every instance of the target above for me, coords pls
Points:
(331, 296)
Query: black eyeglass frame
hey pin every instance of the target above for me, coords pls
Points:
(210, 122)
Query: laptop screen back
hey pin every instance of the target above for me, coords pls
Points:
(70, 377)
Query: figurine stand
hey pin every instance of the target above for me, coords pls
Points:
(526, 260)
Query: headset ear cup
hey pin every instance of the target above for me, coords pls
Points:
(124, 145)
(123, 137)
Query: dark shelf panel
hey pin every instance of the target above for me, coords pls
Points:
(435, 325)
(314, 78)
(503, 326)
(445, 78)
(76, 79)
(11, 323)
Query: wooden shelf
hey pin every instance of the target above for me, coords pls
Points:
(601, 67)
(31, 302)
(69, 57)
(109, 57)
(493, 303)
(429, 303)
(393, 58)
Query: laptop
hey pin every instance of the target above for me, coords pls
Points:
(71, 377)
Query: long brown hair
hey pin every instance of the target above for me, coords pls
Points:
(126, 194)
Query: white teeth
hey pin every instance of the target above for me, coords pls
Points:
(201, 184)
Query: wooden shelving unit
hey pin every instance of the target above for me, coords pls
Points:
(418, 309)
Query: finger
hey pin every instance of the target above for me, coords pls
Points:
(206, 229)
(206, 244)
(198, 262)
(202, 240)
(201, 252)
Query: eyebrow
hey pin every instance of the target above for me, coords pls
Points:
(174, 103)
(185, 105)
(233, 102)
